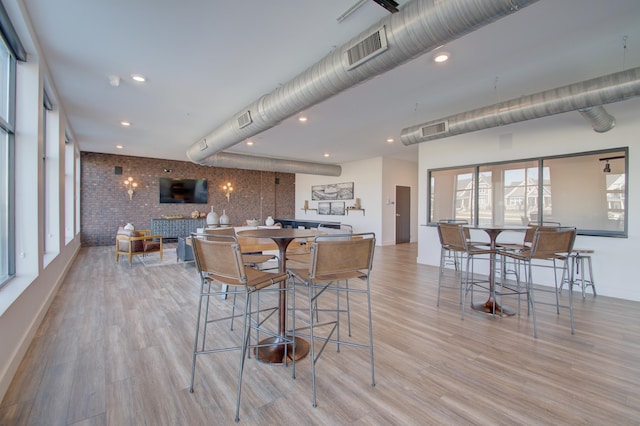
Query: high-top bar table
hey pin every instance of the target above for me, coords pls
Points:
(274, 353)
(491, 306)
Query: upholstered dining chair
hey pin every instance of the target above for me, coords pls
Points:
(334, 259)
(220, 261)
(550, 245)
(141, 242)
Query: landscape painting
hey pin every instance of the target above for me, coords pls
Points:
(337, 208)
(332, 191)
(324, 208)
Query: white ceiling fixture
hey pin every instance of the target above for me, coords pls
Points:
(441, 57)
(139, 78)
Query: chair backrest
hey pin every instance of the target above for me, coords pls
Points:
(452, 236)
(123, 240)
(531, 231)
(552, 242)
(216, 232)
(344, 232)
(333, 255)
(220, 259)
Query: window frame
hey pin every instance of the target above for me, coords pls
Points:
(477, 169)
(8, 126)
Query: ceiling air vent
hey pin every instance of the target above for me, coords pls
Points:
(244, 119)
(435, 129)
(366, 48)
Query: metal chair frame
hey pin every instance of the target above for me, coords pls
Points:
(219, 260)
(549, 245)
(334, 260)
(454, 238)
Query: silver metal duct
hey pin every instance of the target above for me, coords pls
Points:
(266, 164)
(579, 96)
(600, 119)
(421, 26)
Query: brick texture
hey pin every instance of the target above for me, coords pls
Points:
(105, 204)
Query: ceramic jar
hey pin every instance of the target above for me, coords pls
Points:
(269, 221)
(224, 219)
(212, 218)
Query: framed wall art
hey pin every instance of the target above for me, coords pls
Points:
(324, 208)
(337, 208)
(332, 191)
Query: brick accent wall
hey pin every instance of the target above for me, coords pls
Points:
(105, 204)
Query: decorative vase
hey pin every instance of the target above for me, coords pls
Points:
(224, 219)
(129, 226)
(269, 221)
(212, 218)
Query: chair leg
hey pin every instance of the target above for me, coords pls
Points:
(373, 378)
(243, 352)
(195, 341)
(292, 298)
(531, 304)
(566, 266)
(440, 273)
(312, 353)
(348, 308)
(591, 280)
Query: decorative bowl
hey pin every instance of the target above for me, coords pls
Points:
(253, 222)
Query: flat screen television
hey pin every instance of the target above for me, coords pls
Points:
(183, 191)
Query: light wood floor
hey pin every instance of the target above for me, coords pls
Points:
(115, 349)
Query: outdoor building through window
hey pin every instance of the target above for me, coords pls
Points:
(585, 190)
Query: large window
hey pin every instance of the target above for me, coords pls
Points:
(7, 96)
(586, 190)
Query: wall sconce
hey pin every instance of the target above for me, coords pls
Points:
(131, 187)
(228, 189)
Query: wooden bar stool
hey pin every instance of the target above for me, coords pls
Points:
(579, 275)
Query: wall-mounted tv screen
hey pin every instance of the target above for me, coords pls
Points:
(183, 191)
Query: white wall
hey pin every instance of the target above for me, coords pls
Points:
(374, 179)
(614, 258)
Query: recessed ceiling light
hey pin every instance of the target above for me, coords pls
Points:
(125, 123)
(302, 119)
(119, 146)
(139, 78)
(326, 154)
(389, 140)
(250, 143)
(441, 57)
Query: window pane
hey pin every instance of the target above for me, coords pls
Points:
(452, 194)
(586, 190)
(585, 195)
(5, 69)
(508, 193)
(4, 206)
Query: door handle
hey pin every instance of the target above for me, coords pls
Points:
(397, 214)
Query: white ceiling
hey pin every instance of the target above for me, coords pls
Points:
(205, 60)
